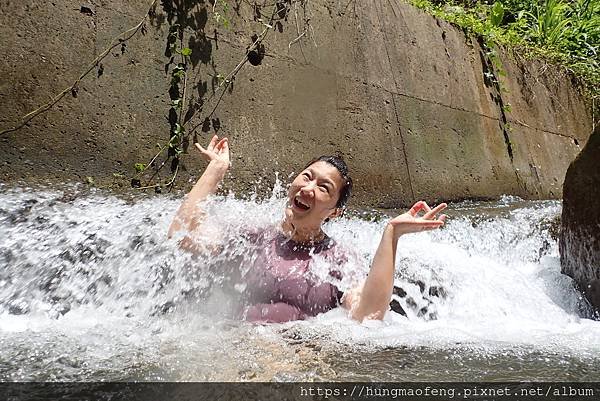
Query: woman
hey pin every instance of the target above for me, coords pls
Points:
(281, 286)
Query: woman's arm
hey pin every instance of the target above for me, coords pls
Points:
(372, 300)
(189, 215)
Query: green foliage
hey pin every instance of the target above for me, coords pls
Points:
(220, 16)
(172, 38)
(547, 23)
(187, 25)
(186, 51)
(497, 14)
(177, 93)
(563, 31)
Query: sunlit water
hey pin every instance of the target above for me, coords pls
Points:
(91, 289)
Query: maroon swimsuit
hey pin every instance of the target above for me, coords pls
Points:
(280, 285)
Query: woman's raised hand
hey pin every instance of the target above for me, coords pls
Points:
(217, 150)
(190, 215)
(371, 301)
(412, 221)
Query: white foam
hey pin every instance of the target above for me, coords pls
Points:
(101, 267)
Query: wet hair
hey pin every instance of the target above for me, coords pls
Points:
(342, 168)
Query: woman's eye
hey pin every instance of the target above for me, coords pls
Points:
(306, 175)
(324, 188)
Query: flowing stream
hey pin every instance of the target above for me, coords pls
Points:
(91, 289)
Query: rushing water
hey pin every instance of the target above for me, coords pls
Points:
(91, 289)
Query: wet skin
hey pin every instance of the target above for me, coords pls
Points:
(312, 198)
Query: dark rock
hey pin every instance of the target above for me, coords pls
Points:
(396, 307)
(62, 308)
(165, 308)
(592, 291)
(68, 256)
(435, 291)
(580, 222)
(87, 9)
(399, 291)
(554, 228)
(18, 307)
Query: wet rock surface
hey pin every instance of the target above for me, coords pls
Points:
(422, 305)
(580, 232)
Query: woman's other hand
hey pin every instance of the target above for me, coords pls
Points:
(371, 301)
(216, 152)
(413, 222)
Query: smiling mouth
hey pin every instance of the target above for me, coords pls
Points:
(300, 205)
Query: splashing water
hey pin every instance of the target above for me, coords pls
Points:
(91, 289)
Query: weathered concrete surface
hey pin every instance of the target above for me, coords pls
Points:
(401, 95)
(580, 232)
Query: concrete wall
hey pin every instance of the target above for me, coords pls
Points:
(401, 95)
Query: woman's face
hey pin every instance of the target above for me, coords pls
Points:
(313, 196)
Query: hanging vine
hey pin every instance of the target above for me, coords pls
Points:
(119, 40)
(183, 110)
(182, 130)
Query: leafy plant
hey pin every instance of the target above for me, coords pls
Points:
(548, 23)
(180, 61)
(563, 31)
(220, 16)
(497, 14)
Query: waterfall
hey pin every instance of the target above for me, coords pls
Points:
(91, 289)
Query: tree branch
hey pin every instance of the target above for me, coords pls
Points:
(117, 41)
